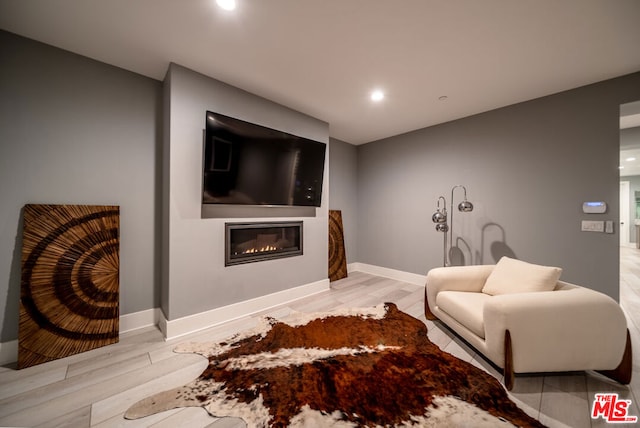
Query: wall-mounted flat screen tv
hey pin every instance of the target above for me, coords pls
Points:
(249, 164)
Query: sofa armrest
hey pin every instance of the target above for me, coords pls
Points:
(556, 330)
(454, 278)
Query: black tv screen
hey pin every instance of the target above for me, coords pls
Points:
(249, 164)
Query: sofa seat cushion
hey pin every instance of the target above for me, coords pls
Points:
(465, 307)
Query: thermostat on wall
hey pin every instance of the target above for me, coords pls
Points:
(594, 207)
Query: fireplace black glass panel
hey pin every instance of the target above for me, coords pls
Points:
(254, 242)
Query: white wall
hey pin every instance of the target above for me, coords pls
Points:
(196, 279)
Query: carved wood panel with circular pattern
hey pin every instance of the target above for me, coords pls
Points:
(69, 294)
(337, 253)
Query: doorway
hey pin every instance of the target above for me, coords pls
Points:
(629, 168)
(624, 213)
(629, 281)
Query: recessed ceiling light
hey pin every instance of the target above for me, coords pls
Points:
(377, 95)
(631, 159)
(227, 4)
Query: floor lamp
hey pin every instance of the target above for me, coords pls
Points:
(442, 223)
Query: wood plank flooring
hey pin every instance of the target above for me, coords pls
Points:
(95, 388)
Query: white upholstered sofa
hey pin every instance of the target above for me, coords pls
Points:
(522, 318)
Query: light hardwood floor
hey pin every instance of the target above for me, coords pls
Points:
(95, 388)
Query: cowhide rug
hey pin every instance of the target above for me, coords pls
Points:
(366, 367)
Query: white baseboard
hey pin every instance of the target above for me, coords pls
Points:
(192, 323)
(182, 326)
(136, 320)
(128, 322)
(398, 275)
(8, 352)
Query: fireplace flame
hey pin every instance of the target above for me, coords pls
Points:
(260, 250)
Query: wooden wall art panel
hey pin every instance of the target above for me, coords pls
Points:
(337, 253)
(69, 294)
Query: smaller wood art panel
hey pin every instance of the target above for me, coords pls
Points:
(337, 253)
(69, 294)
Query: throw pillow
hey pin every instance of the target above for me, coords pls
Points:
(516, 276)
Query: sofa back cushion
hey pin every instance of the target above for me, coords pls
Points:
(516, 276)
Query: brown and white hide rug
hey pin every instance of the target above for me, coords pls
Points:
(349, 368)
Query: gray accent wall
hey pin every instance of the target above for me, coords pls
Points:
(343, 192)
(196, 279)
(527, 168)
(77, 131)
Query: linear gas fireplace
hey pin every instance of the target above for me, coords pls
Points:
(255, 242)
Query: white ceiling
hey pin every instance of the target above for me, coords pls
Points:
(323, 57)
